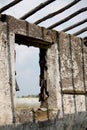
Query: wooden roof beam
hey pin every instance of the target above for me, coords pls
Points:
(33, 11)
(74, 25)
(57, 12)
(68, 18)
(80, 31)
(9, 5)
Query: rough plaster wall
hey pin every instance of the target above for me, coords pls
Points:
(71, 71)
(67, 69)
(8, 28)
(52, 76)
(66, 60)
(6, 115)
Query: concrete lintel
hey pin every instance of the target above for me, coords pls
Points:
(34, 32)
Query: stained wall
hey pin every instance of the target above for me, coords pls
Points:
(63, 67)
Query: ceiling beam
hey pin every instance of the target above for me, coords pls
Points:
(57, 12)
(68, 18)
(39, 7)
(9, 5)
(74, 25)
(80, 31)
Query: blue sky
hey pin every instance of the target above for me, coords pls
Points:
(27, 59)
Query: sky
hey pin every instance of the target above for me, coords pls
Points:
(27, 59)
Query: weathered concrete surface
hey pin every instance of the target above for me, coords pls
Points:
(7, 83)
(53, 76)
(13, 30)
(72, 72)
(41, 35)
(63, 63)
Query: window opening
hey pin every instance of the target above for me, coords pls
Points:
(27, 77)
(27, 70)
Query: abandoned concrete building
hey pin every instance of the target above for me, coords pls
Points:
(63, 76)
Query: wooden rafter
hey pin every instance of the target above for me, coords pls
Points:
(39, 7)
(9, 5)
(80, 31)
(68, 18)
(57, 12)
(74, 25)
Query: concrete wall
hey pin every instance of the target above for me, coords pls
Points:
(63, 63)
(22, 32)
(66, 74)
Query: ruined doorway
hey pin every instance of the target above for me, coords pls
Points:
(37, 56)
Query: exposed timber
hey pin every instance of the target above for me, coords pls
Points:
(9, 5)
(57, 12)
(68, 18)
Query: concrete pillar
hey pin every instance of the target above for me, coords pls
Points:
(7, 82)
(52, 76)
